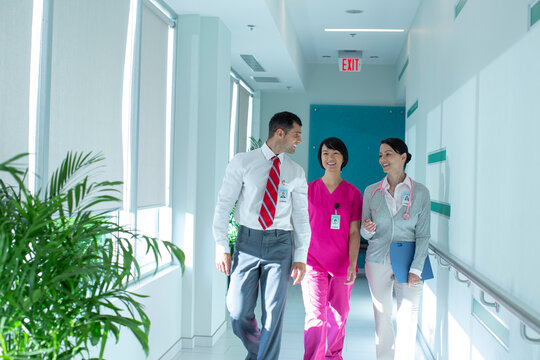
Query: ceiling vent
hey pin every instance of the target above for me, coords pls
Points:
(252, 63)
(265, 79)
(355, 54)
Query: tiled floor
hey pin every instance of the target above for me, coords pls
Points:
(359, 339)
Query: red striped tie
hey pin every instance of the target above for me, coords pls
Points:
(268, 207)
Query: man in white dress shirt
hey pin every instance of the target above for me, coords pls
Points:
(273, 240)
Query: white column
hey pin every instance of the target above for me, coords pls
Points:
(199, 158)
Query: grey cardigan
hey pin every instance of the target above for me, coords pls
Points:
(395, 228)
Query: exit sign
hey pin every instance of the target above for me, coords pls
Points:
(350, 60)
(350, 64)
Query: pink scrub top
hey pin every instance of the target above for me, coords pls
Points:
(329, 248)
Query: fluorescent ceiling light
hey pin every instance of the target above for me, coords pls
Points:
(366, 30)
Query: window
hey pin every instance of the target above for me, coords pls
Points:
(241, 116)
(154, 145)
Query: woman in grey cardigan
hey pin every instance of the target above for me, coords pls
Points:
(395, 217)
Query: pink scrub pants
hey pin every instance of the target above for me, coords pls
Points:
(326, 301)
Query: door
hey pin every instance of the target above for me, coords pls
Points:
(361, 128)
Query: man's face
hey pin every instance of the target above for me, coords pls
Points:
(292, 138)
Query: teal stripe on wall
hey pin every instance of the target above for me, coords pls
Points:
(495, 326)
(459, 7)
(535, 13)
(441, 208)
(437, 156)
(412, 108)
(403, 69)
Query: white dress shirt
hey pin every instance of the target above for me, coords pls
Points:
(394, 203)
(245, 180)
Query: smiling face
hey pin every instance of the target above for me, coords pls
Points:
(291, 139)
(391, 162)
(331, 159)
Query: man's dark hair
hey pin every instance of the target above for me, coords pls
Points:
(283, 120)
(334, 143)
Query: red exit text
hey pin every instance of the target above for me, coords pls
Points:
(353, 65)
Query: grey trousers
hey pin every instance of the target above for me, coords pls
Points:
(261, 258)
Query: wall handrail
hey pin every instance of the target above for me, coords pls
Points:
(527, 316)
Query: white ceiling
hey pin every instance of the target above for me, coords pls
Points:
(289, 34)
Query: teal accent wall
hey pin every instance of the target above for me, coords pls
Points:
(437, 156)
(361, 128)
(459, 7)
(441, 208)
(412, 108)
(403, 69)
(535, 13)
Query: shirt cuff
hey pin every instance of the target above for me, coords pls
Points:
(366, 234)
(416, 272)
(300, 256)
(222, 247)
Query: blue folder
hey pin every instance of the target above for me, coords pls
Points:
(401, 257)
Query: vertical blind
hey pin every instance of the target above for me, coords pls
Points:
(15, 36)
(153, 112)
(243, 115)
(87, 69)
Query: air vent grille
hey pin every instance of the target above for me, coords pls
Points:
(350, 54)
(265, 79)
(252, 63)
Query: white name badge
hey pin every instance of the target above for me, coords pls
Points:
(405, 198)
(334, 222)
(283, 195)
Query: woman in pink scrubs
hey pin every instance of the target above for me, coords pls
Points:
(335, 211)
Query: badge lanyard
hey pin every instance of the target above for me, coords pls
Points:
(335, 219)
(406, 215)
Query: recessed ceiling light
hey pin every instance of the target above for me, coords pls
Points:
(354, 11)
(326, 56)
(366, 30)
(373, 57)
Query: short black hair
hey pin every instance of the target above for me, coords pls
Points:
(283, 120)
(399, 147)
(334, 143)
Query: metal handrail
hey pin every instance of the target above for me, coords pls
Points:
(523, 331)
(528, 317)
(488, 303)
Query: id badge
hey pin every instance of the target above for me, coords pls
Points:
(405, 199)
(334, 222)
(283, 195)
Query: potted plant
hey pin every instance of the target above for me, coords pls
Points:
(65, 270)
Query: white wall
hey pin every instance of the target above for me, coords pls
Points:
(375, 85)
(164, 291)
(476, 82)
(296, 103)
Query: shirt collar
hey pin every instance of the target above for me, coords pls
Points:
(406, 182)
(269, 154)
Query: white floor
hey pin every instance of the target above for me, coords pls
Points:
(359, 339)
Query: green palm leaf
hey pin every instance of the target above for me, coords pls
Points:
(65, 269)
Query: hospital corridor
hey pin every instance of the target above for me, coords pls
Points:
(166, 165)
